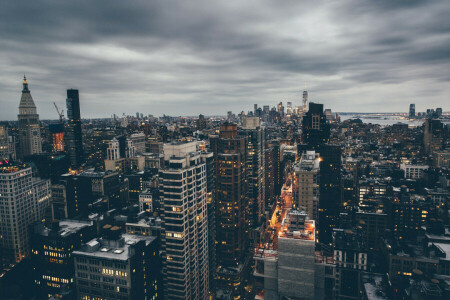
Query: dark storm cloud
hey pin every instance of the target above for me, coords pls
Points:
(190, 57)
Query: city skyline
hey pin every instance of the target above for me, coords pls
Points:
(208, 58)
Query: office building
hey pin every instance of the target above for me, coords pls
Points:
(7, 144)
(305, 102)
(118, 267)
(330, 197)
(232, 255)
(412, 111)
(350, 256)
(315, 130)
(19, 208)
(251, 128)
(57, 137)
(306, 192)
(138, 140)
(183, 193)
(433, 136)
(201, 122)
(51, 255)
(74, 133)
(29, 131)
(289, 272)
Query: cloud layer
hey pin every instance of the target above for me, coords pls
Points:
(191, 57)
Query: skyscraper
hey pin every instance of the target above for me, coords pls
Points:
(29, 131)
(7, 144)
(251, 128)
(412, 111)
(20, 203)
(315, 129)
(305, 101)
(231, 155)
(183, 193)
(74, 135)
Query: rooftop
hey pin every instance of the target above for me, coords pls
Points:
(113, 250)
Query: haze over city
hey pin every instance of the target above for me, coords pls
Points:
(191, 57)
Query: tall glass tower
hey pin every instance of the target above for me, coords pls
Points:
(74, 135)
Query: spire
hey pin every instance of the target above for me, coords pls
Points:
(26, 101)
(25, 85)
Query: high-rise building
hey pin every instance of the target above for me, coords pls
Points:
(251, 128)
(118, 267)
(19, 207)
(305, 102)
(51, 255)
(232, 255)
(138, 140)
(330, 197)
(183, 193)
(412, 111)
(7, 144)
(74, 133)
(306, 195)
(57, 137)
(350, 256)
(201, 122)
(289, 272)
(433, 136)
(29, 130)
(315, 130)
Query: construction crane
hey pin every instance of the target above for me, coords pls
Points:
(61, 114)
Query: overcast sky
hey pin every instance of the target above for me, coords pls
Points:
(191, 57)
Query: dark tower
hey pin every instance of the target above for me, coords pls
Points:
(74, 136)
(315, 129)
(230, 157)
(412, 111)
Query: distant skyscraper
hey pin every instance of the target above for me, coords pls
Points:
(412, 110)
(183, 193)
(74, 134)
(305, 101)
(201, 122)
(29, 131)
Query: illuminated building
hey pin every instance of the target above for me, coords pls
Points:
(74, 134)
(51, 259)
(306, 195)
(433, 136)
(118, 267)
(57, 137)
(7, 144)
(183, 193)
(232, 239)
(19, 207)
(29, 130)
(290, 271)
(251, 128)
(145, 201)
